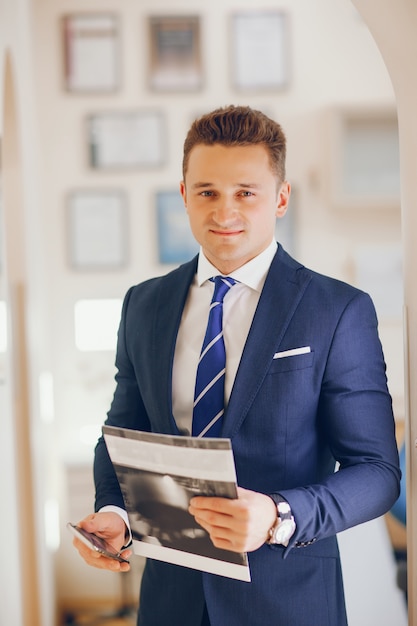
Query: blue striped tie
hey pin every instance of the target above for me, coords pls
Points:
(209, 387)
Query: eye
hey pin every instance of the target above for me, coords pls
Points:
(246, 194)
(207, 193)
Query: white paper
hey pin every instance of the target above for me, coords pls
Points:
(158, 475)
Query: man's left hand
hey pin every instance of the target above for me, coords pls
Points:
(239, 525)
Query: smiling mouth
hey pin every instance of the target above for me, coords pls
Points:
(226, 233)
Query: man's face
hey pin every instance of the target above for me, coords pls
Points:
(232, 199)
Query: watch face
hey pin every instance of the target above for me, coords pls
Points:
(284, 531)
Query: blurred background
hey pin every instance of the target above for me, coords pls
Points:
(96, 98)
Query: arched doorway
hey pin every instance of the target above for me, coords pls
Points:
(393, 28)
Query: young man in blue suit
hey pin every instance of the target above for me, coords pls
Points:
(305, 387)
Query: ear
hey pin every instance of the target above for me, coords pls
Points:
(283, 199)
(183, 193)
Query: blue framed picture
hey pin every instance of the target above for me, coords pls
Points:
(176, 243)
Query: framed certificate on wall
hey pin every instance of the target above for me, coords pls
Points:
(91, 52)
(97, 229)
(175, 53)
(119, 140)
(260, 50)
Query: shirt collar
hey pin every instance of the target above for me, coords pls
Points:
(252, 274)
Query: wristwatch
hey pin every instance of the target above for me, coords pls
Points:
(284, 526)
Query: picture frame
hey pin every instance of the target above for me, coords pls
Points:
(363, 158)
(126, 139)
(260, 50)
(91, 52)
(176, 243)
(97, 229)
(175, 58)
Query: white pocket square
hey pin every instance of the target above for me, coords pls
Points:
(293, 352)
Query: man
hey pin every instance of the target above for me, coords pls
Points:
(305, 386)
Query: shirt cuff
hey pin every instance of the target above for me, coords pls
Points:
(110, 508)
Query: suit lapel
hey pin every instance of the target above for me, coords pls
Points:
(169, 304)
(284, 287)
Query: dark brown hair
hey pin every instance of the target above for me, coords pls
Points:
(238, 126)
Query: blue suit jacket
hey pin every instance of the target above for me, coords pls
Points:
(289, 419)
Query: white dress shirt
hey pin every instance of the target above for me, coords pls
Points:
(238, 310)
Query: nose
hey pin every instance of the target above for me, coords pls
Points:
(224, 212)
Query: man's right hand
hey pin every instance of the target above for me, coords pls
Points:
(110, 527)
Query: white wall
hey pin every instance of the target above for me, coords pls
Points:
(334, 61)
(26, 577)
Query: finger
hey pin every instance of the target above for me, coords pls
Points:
(109, 526)
(206, 502)
(125, 554)
(222, 528)
(227, 544)
(225, 538)
(91, 523)
(90, 556)
(100, 561)
(219, 505)
(228, 517)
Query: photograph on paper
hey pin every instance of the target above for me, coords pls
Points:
(158, 476)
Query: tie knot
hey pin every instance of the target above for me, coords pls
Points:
(222, 285)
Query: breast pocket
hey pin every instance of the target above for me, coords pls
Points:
(289, 363)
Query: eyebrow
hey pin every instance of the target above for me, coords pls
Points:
(201, 185)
